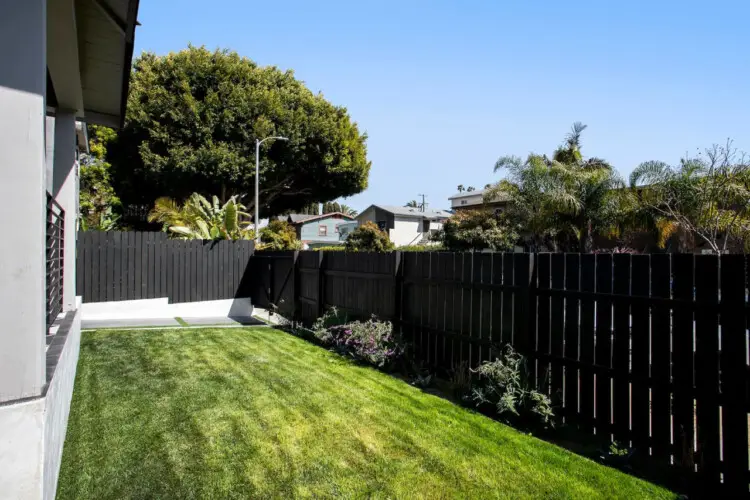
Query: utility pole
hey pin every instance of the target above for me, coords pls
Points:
(423, 206)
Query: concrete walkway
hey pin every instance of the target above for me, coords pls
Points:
(176, 322)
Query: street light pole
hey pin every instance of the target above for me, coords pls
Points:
(258, 142)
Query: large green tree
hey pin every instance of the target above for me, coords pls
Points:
(192, 121)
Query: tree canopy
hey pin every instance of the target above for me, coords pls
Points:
(192, 121)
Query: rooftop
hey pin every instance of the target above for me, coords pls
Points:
(415, 212)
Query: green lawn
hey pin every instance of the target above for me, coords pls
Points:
(255, 412)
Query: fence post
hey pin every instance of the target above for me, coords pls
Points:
(397, 284)
(321, 284)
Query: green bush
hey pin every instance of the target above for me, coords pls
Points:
(420, 248)
(279, 235)
(504, 385)
(339, 248)
(368, 238)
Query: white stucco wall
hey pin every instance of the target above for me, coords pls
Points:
(406, 231)
(21, 449)
(57, 407)
(32, 432)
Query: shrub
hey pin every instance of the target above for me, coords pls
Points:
(279, 235)
(503, 384)
(372, 341)
(368, 238)
(332, 249)
(420, 248)
(477, 230)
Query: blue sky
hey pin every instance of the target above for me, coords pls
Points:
(445, 88)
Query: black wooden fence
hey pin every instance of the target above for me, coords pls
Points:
(114, 265)
(650, 350)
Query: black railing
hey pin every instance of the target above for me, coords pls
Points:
(55, 255)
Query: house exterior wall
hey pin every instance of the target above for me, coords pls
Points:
(385, 220)
(310, 231)
(467, 201)
(406, 231)
(23, 169)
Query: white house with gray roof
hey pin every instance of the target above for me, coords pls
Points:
(405, 225)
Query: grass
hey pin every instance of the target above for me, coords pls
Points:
(257, 413)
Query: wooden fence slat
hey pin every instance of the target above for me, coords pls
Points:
(557, 325)
(572, 319)
(137, 263)
(707, 368)
(486, 307)
(640, 354)
(116, 250)
(682, 360)
(603, 349)
(734, 372)
(661, 419)
(621, 348)
(507, 298)
(102, 242)
(497, 299)
(588, 284)
(476, 309)
(543, 321)
(91, 266)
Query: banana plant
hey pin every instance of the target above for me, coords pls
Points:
(199, 218)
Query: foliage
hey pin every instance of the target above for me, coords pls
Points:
(347, 210)
(192, 121)
(99, 205)
(470, 189)
(420, 248)
(331, 207)
(705, 198)
(563, 200)
(197, 218)
(333, 248)
(503, 384)
(372, 341)
(368, 237)
(279, 235)
(460, 381)
(310, 209)
(412, 204)
(460, 188)
(477, 230)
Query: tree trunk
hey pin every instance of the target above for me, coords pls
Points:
(588, 241)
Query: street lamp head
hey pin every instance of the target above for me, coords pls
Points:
(280, 138)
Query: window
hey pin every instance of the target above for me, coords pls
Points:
(463, 202)
(322, 230)
(382, 225)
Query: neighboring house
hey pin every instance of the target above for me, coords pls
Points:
(474, 200)
(321, 230)
(62, 62)
(405, 225)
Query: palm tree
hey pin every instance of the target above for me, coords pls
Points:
(197, 218)
(460, 188)
(470, 189)
(347, 210)
(563, 198)
(412, 204)
(707, 198)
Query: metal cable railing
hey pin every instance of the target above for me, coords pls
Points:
(55, 255)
